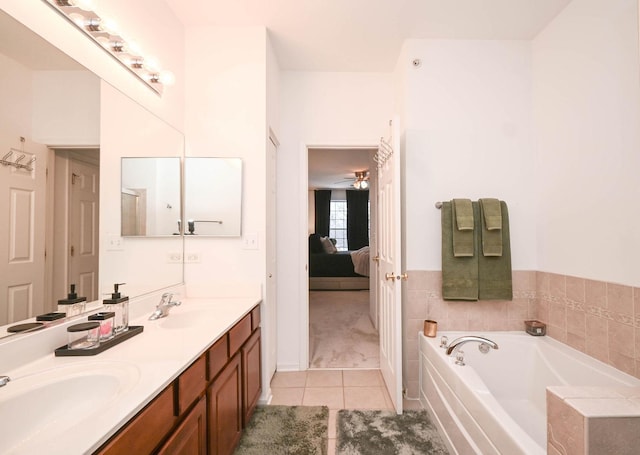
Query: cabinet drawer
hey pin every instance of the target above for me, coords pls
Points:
(218, 356)
(145, 431)
(191, 383)
(239, 334)
(255, 318)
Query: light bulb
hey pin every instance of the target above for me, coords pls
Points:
(364, 185)
(78, 19)
(356, 184)
(167, 77)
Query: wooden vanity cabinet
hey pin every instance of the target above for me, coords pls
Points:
(225, 409)
(190, 438)
(206, 408)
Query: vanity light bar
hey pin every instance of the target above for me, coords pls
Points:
(103, 32)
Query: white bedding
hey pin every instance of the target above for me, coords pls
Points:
(360, 260)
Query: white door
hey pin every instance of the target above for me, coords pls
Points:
(83, 228)
(270, 308)
(22, 232)
(389, 274)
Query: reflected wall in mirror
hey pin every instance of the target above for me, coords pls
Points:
(49, 101)
(77, 127)
(213, 196)
(150, 198)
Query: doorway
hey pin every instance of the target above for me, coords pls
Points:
(75, 234)
(342, 303)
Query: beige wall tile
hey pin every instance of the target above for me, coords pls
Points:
(596, 293)
(558, 315)
(576, 322)
(622, 362)
(619, 436)
(557, 285)
(565, 427)
(576, 289)
(416, 304)
(542, 283)
(577, 342)
(621, 338)
(620, 300)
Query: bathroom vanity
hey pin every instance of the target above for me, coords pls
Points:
(187, 384)
(205, 408)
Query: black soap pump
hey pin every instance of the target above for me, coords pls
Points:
(72, 305)
(118, 304)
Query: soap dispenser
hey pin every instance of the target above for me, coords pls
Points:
(72, 305)
(118, 304)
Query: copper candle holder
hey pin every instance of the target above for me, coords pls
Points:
(430, 328)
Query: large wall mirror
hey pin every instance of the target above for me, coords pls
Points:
(77, 128)
(213, 196)
(150, 198)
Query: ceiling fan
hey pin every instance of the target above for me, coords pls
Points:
(361, 181)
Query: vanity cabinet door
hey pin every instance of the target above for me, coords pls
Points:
(145, 431)
(251, 376)
(224, 416)
(190, 438)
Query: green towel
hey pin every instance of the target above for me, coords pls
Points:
(464, 214)
(494, 272)
(459, 274)
(462, 227)
(491, 227)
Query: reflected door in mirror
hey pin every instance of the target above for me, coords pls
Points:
(22, 256)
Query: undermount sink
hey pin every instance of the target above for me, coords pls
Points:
(43, 405)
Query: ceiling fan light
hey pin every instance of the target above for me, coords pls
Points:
(364, 185)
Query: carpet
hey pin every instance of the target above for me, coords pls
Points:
(341, 334)
(286, 430)
(386, 433)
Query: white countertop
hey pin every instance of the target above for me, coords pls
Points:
(151, 359)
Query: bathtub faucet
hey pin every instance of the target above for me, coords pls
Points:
(485, 344)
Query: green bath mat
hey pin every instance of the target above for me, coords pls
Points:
(386, 433)
(286, 430)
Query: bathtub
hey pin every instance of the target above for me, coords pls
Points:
(496, 403)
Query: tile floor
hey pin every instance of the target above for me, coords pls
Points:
(336, 389)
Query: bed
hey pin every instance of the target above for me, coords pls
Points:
(335, 270)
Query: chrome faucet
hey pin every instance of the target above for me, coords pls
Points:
(485, 344)
(162, 309)
(4, 380)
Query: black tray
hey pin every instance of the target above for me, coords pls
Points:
(64, 351)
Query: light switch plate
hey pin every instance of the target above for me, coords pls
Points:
(114, 243)
(250, 241)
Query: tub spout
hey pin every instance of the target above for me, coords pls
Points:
(485, 344)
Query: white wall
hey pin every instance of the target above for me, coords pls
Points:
(317, 109)
(587, 113)
(16, 90)
(127, 129)
(66, 108)
(226, 116)
(468, 134)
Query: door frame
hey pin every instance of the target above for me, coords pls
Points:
(303, 244)
(57, 267)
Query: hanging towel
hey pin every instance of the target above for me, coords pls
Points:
(491, 227)
(459, 274)
(494, 272)
(462, 227)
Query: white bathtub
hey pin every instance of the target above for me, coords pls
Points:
(496, 403)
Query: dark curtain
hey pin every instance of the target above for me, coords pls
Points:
(323, 211)
(357, 219)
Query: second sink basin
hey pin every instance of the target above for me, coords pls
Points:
(46, 403)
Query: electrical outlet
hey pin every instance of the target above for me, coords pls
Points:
(114, 243)
(250, 241)
(174, 257)
(192, 258)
